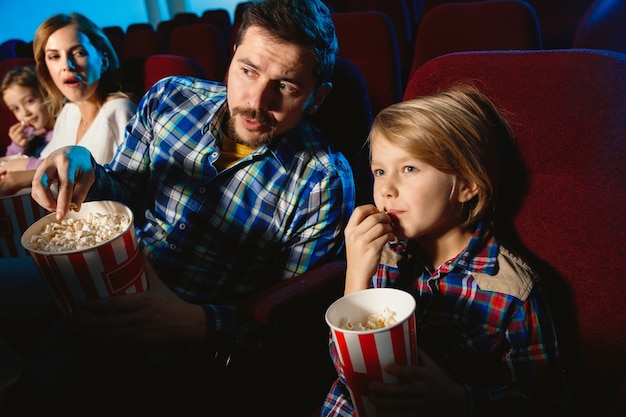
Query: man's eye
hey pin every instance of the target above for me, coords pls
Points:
(286, 88)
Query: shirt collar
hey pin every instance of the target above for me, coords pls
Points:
(480, 255)
(285, 146)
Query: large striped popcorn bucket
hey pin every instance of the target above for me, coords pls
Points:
(97, 270)
(17, 212)
(370, 329)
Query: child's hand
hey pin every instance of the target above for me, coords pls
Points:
(19, 134)
(425, 391)
(367, 231)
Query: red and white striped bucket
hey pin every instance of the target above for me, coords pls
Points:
(363, 354)
(108, 269)
(17, 212)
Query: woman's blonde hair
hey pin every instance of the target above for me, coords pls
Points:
(109, 84)
(457, 132)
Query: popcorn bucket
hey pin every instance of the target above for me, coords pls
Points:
(17, 212)
(364, 353)
(110, 268)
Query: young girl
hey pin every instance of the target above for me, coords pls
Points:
(22, 95)
(487, 344)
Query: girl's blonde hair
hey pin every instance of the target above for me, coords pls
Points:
(108, 86)
(457, 132)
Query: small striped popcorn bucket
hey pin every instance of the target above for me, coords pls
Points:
(370, 329)
(112, 267)
(17, 212)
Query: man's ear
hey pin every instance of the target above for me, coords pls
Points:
(320, 95)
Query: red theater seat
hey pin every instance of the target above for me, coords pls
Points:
(367, 39)
(483, 25)
(204, 43)
(141, 43)
(400, 14)
(567, 111)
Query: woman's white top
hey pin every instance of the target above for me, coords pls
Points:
(104, 135)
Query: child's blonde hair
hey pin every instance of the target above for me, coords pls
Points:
(457, 132)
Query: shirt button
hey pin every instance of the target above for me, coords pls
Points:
(173, 246)
(214, 155)
(182, 226)
(202, 190)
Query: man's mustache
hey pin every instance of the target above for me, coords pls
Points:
(256, 115)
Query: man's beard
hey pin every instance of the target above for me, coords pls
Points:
(258, 116)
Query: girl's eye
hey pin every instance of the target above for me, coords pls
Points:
(409, 169)
(378, 172)
(52, 57)
(80, 53)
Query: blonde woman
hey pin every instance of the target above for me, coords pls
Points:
(78, 66)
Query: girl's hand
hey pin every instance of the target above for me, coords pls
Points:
(424, 391)
(17, 133)
(367, 232)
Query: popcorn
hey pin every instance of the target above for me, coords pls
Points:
(374, 321)
(78, 234)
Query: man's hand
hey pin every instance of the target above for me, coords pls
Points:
(71, 168)
(156, 315)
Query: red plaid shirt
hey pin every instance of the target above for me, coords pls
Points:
(484, 318)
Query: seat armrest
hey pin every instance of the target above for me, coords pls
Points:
(295, 293)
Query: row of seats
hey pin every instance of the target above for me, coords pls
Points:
(387, 40)
(558, 18)
(369, 36)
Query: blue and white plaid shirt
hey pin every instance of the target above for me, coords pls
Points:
(214, 237)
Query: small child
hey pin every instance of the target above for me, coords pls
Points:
(486, 339)
(21, 94)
